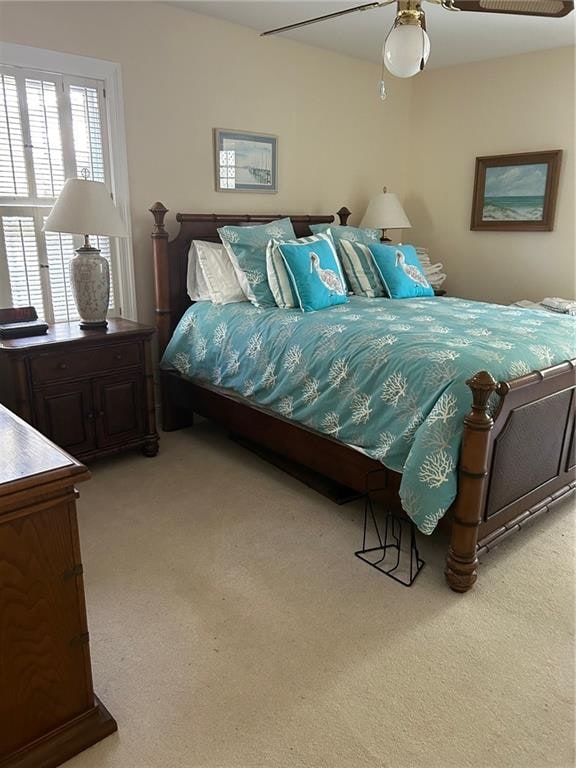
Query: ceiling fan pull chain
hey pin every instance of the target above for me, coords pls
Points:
(382, 85)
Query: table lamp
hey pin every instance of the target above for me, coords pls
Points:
(385, 212)
(86, 208)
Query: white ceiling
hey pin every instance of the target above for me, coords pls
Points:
(456, 37)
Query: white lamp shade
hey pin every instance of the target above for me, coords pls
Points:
(385, 212)
(405, 48)
(85, 208)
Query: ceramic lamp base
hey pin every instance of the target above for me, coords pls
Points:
(90, 279)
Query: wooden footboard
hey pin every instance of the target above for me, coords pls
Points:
(514, 465)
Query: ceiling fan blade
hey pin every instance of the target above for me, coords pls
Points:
(546, 8)
(345, 12)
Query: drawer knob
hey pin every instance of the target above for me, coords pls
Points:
(118, 356)
(62, 366)
(90, 415)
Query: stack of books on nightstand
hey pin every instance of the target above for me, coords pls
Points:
(18, 322)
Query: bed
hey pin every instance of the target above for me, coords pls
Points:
(516, 459)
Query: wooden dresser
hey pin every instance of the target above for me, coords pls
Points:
(91, 392)
(48, 710)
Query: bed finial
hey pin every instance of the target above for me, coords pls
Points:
(483, 385)
(159, 211)
(462, 562)
(162, 275)
(343, 214)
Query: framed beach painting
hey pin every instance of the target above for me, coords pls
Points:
(516, 193)
(245, 162)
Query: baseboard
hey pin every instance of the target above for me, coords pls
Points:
(60, 745)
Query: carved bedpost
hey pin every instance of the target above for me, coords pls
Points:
(462, 561)
(162, 274)
(173, 416)
(343, 214)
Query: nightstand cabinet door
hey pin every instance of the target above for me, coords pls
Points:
(119, 409)
(65, 413)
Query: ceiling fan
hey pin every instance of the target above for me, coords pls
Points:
(407, 45)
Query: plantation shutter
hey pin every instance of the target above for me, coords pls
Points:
(13, 177)
(45, 137)
(88, 148)
(51, 128)
(23, 262)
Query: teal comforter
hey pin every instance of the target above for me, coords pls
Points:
(387, 377)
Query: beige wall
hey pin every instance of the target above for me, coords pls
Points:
(517, 104)
(185, 74)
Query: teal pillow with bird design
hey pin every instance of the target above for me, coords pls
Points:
(401, 271)
(315, 273)
(278, 277)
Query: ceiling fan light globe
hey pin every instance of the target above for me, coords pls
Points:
(404, 50)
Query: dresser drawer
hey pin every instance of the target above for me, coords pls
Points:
(56, 366)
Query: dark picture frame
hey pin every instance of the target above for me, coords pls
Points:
(245, 161)
(516, 193)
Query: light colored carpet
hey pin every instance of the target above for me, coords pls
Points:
(232, 627)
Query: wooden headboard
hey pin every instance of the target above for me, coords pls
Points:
(171, 257)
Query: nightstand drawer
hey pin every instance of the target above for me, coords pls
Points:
(66, 365)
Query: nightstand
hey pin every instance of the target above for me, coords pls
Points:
(91, 392)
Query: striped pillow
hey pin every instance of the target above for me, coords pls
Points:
(360, 270)
(278, 279)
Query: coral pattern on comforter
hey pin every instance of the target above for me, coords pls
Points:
(385, 376)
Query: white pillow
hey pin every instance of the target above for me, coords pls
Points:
(195, 281)
(220, 276)
(240, 275)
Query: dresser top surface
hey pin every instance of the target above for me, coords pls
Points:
(29, 458)
(62, 333)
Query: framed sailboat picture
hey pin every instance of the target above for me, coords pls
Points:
(245, 162)
(516, 193)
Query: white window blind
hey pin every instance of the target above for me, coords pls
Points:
(52, 127)
(13, 178)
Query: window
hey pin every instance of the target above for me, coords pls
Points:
(52, 127)
(227, 169)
